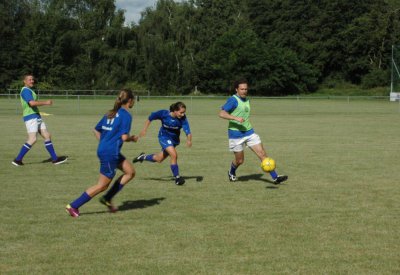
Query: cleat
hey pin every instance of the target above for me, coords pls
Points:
(17, 162)
(179, 180)
(280, 179)
(60, 160)
(74, 212)
(139, 158)
(109, 205)
(231, 177)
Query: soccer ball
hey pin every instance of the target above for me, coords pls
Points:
(268, 165)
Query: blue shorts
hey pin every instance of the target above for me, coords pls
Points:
(109, 167)
(166, 142)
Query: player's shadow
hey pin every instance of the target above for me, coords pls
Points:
(45, 161)
(257, 177)
(130, 205)
(139, 204)
(51, 160)
(197, 178)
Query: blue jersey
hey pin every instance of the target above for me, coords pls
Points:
(170, 126)
(229, 106)
(111, 131)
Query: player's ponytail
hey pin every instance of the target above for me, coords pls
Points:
(123, 98)
(177, 106)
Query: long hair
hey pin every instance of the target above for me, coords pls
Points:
(177, 106)
(123, 98)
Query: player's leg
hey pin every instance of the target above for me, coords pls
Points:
(107, 173)
(237, 161)
(259, 150)
(156, 157)
(48, 144)
(173, 154)
(257, 147)
(101, 185)
(237, 147)
(129, 174)
(32, 127)
(160, 156)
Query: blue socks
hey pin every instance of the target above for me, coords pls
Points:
(84, 198)
(149, 158)
(273, 174)
(232, 171)
(117, 186)
(24, 149)
(50, 149)
(175, 170)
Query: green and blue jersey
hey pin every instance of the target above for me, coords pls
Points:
(28, 112)
(240, 107)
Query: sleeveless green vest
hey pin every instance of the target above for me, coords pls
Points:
(242, 110)
(26, 109)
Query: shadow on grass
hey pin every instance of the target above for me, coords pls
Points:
(130, 205)
(257, 177)
(51, 160)
(171, 179)
(140, 204)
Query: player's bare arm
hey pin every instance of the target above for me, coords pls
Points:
(225, 115)
(127, 138)
(34, 103)
(145, 127)
(189, 140)
(96, 134)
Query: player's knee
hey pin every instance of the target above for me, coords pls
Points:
(131, 174)
(158, 160)
(32, 140)
(239, 162)
(102, 187)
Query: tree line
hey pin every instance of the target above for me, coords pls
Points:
(283, 47)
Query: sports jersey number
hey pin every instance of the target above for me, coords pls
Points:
(110, 121)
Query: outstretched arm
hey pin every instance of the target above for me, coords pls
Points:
(34, 103)
(225, 115)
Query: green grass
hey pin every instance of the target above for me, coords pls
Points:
(337, 214)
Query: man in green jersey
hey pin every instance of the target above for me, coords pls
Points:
(34, 123)
(241, 133)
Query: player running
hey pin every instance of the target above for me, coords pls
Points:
(112, 131)
(241, 133)
(172, 122)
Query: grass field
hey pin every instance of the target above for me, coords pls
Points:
(337, 214)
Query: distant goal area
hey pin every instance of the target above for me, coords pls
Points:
(395, 74)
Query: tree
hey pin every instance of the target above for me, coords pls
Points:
(13, 16)
(270, 70)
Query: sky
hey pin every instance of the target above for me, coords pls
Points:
(133, 8)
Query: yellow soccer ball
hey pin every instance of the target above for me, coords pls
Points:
(268, 165)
